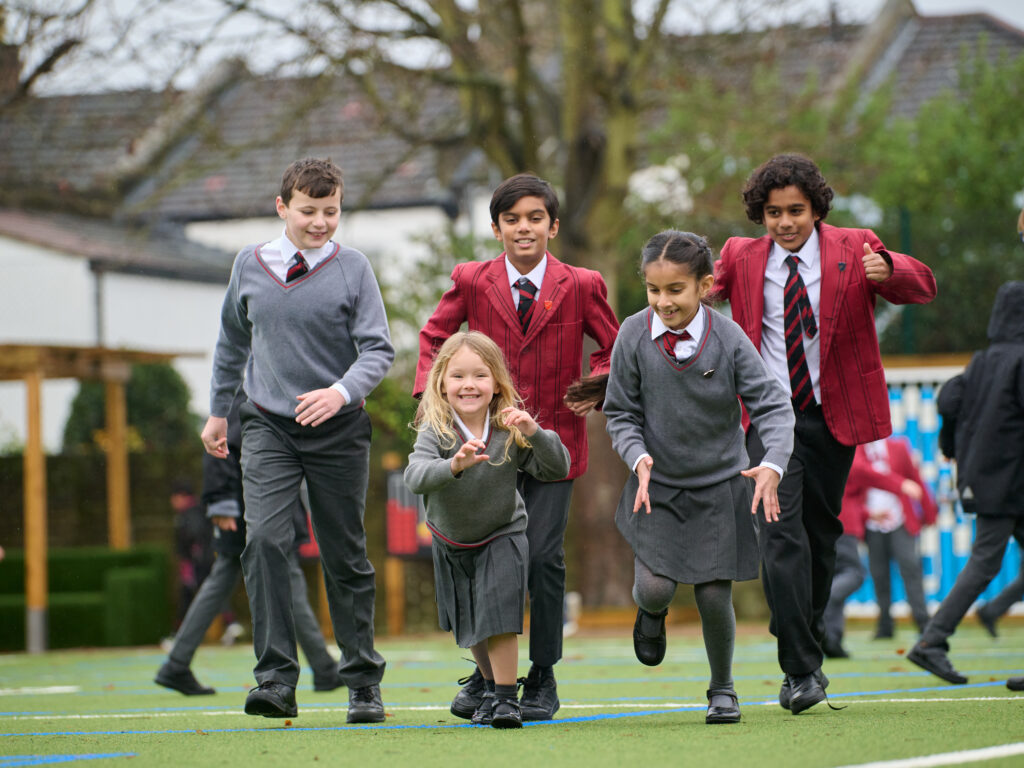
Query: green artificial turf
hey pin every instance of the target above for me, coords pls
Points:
(101, 706)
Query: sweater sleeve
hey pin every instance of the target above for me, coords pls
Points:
(623, 404)
(547, 459)
(369, 331)
(428, 469)
(767, 403)
(234, 344)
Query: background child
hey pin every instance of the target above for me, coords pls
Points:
(537, 310)
(469, 413)
(894, 504)
(222, 496)
(804, 294)
(984, 409)
(304, 319)
(674, 417)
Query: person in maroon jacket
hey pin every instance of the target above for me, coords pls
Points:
(537, 310)
(805, 293)
(893, 504)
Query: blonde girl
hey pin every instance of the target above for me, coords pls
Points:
(469, 412)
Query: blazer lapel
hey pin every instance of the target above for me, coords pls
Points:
(552, 292)
(835, 266)
(753, 288)
(500, 294)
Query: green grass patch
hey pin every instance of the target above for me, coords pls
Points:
(102, 706)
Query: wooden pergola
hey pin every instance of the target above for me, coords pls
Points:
(32, 363)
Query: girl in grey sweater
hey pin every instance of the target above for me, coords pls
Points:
(470, 412)
(679, 373)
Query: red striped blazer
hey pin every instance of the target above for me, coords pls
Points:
(572, 303)
(855, 399)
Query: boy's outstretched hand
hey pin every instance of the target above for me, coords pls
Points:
(521, 419)
(875, 266)
(467, 455)
(643, 497)
(215, 437)
(318, 406)
(766, 491)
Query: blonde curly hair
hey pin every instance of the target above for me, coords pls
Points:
(436, 413)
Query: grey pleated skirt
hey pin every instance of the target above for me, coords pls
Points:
(693, 535)
(481, 591)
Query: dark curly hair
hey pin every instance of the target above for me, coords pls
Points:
(784, 171)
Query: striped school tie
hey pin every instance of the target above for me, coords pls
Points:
(669, 340)
(298, 269)
(527, 291)
(798, 318)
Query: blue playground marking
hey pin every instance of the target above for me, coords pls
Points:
(13, 760)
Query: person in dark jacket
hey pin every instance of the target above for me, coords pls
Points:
(983, 427)
(222, 496)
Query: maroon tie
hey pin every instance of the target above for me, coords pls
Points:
(298, 269)
(798, 318)
(669, 339)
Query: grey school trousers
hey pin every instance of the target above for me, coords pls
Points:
(991, 535)
(847, 579)
(334, 457)
(218, 587)
(901, 546)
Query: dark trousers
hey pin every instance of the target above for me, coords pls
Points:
(277, 453)
(847, 579)
(798, 552)
(1010, 594)
(883, 548)
(547, 508)
(991, 535)
(209, 602)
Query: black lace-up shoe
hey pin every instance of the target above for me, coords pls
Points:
(182, 681)
(271, 700)
(468, 698)
(365, 705)
(540, 694)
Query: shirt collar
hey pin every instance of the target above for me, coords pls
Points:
(535, 275)
(466, 433)
(695, 327)
(288, 249)
(809, 253)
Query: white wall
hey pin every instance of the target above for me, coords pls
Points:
(49, 298)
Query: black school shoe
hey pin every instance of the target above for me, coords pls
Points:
(540, 694)
(506, 714)
(468, 699)
(805, 691)
(786, 691)
(726, 714)
(365, 705)
(485, 709)
(1015, 683)
(271, 700)
(182, 681)
(934, 659)
(649, 650)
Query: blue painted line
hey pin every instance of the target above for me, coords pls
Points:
(14, 760)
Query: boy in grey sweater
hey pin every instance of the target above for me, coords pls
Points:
(303, 317)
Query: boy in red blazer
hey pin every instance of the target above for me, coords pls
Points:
(538, 310)
(805, 295)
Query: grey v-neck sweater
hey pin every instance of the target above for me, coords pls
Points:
(686, 414)
(328, 326)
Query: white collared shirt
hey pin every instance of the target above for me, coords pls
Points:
(685, 347)
(535, 276)
(467, 433)
(279, 255)
(773, 327)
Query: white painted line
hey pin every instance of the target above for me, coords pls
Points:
(948, 758)
(444, 708)
(38, 691)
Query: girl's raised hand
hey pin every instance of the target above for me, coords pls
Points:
(766, 491)
(643, 471)
(467, 455)
(521, 419)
